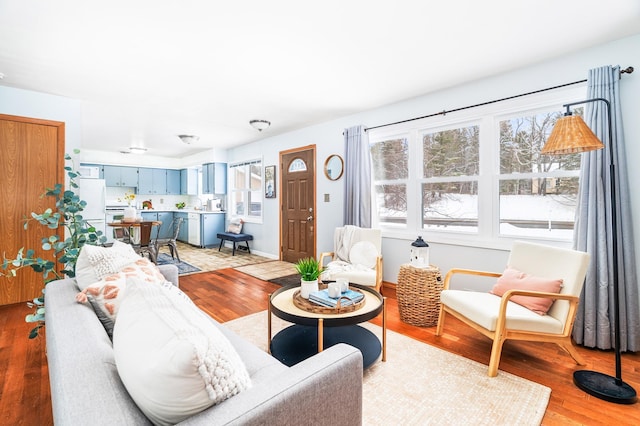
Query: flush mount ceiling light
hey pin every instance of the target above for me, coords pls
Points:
(137, 150)
(260, 125)
(189, 139)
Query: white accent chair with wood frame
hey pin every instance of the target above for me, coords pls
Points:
(499, 318)
(357, 256)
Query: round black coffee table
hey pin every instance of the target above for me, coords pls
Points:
(312, 331)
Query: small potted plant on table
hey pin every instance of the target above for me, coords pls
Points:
(309, 270)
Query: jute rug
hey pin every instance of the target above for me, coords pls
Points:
(268, 270)
(210, 259)
(423, 385)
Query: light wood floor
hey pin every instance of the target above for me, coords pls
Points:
(228, 294)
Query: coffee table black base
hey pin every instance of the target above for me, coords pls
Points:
(299, 342)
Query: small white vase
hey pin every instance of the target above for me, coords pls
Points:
(130, 214)
(306, 287)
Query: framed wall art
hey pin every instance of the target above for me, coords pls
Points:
(270, 182)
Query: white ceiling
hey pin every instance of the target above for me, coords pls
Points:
(148, 70)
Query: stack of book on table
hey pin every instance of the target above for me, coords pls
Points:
(322, 298)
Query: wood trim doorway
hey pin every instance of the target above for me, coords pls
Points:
(298, 203)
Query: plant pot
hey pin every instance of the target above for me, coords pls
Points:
(306, 287)
(130, 214)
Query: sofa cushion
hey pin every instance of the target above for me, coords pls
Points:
(95, 262)
(170, 356)
(107, 294)
(512, 279)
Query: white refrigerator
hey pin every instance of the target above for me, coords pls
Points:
(94, 192)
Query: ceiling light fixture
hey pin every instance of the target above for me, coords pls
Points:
(260, 125)
(137, 150)
(189, 139)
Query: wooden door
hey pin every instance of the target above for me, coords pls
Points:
(298, 209)
(32, 160)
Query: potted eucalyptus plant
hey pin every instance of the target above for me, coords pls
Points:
(309, 270)
(78, 232)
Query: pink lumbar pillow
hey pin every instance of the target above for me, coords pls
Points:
(513, 279)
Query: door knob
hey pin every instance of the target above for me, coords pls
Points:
(310, 218)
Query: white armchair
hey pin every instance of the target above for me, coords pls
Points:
(500, 318)
(357, 257)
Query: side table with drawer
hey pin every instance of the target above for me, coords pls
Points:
(418, 293)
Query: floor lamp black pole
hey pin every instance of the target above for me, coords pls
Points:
(601, 385)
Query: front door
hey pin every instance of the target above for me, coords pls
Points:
(298, 209)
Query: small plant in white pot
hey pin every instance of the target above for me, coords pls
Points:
(309, 270)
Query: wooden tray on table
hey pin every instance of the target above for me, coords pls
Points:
(309, 306)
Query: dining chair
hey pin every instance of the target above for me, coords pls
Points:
(148, 245)
(171, 242)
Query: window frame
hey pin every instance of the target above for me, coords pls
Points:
(246, 190)
(488, 118)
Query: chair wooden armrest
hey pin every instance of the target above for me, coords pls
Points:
(454, 271)
(379, 274)
(328, 254)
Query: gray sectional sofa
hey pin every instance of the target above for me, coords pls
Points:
(86, 388)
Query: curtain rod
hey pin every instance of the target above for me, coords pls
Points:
(627, 70)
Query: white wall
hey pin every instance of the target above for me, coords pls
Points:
(329, 140)
(25, 103)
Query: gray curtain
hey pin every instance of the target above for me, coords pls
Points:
(594, 326)
(357, 172)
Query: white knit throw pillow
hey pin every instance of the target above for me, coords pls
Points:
(170, 356)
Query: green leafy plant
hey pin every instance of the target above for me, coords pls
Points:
(78, 232)
(309, 269)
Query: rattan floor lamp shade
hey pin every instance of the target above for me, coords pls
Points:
(571, 135)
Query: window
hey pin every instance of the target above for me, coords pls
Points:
(450, 179)
(477, 175)
(246, 189)
(538, 193)
(390, 170)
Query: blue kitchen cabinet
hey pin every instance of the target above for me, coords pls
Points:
(120, 176)
(152, 181)
(166, 228)
(214, 178)
(173, 182)
(189, 181)
(211, 224)
(183, 235)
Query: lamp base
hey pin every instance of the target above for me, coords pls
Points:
(604, 387)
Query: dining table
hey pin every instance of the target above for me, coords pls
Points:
(132, 236)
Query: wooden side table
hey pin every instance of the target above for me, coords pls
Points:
(418, 293)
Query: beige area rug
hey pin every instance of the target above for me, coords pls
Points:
(423, 385)
(210, 259)
(268, 270)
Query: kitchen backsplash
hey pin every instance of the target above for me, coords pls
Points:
(167, 202)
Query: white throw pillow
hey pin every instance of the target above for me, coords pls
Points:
(95, 262)
(170, 356)
(363, 253)
(235, 226)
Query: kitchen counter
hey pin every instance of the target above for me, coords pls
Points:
(174, 210)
